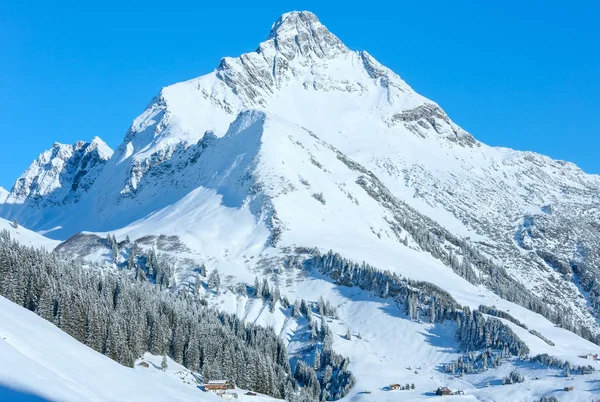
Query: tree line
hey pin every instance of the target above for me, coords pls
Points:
(420, 300)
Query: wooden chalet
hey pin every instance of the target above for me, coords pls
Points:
(443, 391)
(217, 386)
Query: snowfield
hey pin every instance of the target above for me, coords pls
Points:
(26, 236)
(306, 143)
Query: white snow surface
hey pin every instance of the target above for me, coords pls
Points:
(42, 363)
(27, 237)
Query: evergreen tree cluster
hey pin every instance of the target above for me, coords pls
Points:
(587, 278)
(549, 361)
(549, 399)
(328, 378)
(473, 362)
(113, 245)
(502, 314)
(142, 265)
(475, 332)
(263, 291)
(118, 316)
(214, 280)
(514, 377)
(466, 261)
(421, 299)
(542, 337)
(325, 309)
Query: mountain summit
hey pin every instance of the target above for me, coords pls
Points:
(301, 32)
(304, 141)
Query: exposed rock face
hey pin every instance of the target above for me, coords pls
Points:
(61, 175)
(430, 116)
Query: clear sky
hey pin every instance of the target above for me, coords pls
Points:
(522, 74)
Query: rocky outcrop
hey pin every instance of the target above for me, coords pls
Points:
(61, 175)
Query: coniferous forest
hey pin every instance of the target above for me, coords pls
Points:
(121, 317)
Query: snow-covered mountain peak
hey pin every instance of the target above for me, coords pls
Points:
(300, 33)
(3, 194)
(62, 172)
(301, 66)
(104, 151)
(292, 18)
(304, 143)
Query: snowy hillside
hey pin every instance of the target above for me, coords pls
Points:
(26, 236)
(262, 166)
(42, 363)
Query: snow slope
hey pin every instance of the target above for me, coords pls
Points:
(27, 237)
(42, 363)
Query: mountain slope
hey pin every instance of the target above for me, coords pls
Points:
(305, 143)
(58, 179)
(27, 237)
(39, 359)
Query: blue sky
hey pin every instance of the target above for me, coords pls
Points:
(513, 73)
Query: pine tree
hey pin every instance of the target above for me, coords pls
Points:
(115, 250)
(276, 296)
(257, 288)
(131, 258)
(197, 285)
(15, 223)
(214, 280)
(317, 361)
(163, 364)
(296, 309)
